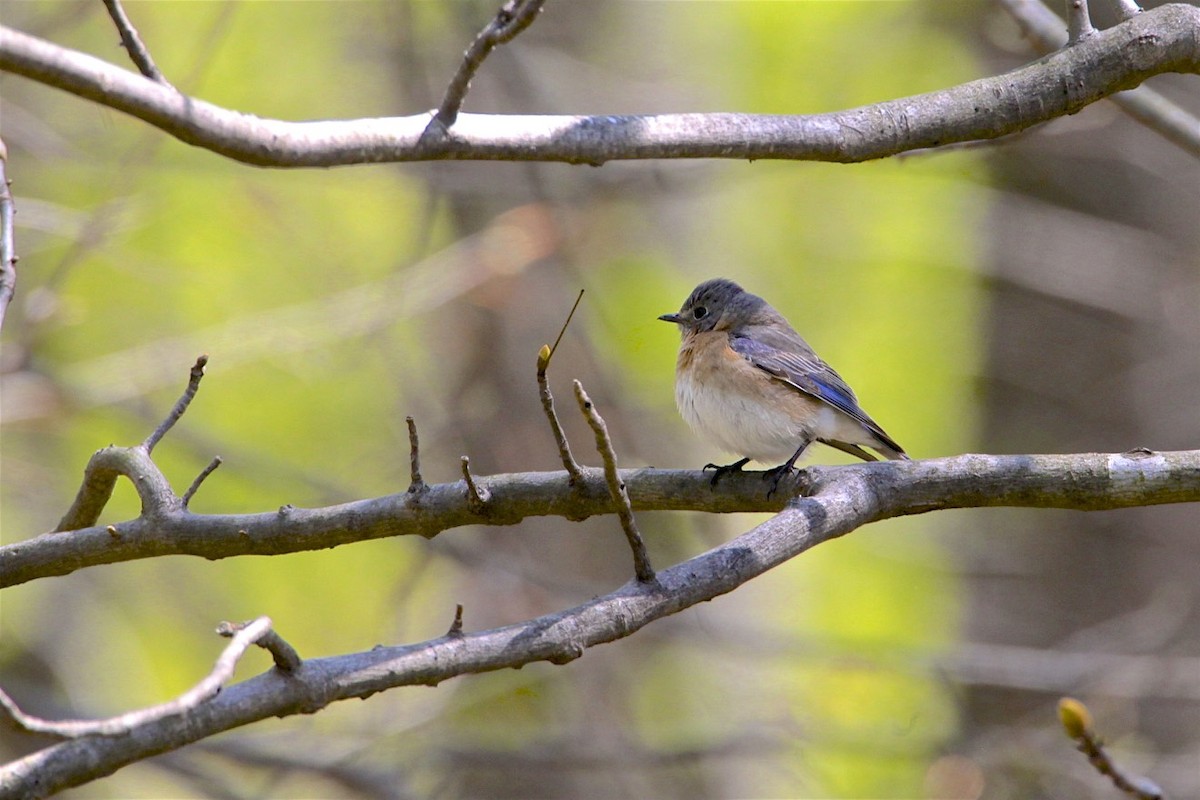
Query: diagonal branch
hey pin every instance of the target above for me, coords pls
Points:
(616, 487)
(1165, 39)
(181, 405)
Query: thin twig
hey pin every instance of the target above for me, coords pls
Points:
(417, 484)
(181, 405)
(512, 18)
(1079, 21)
(456, 627)
(477, 496)
(8, 249)
(616, 487)
(132, 43)
(560, 437)
(284, 655)
(191, 490)
(1077, 722)
(204, 690)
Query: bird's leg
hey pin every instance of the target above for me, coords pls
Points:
(721, 471)
(775, 474)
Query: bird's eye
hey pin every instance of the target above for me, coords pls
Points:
(699, 312)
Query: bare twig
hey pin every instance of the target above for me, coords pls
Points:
(416, 483)
(512, 18)
(285, 656)
(8, 249)
(1079, 22)
(456, 627)
(560, 438)
(616, 486)
(477, 496)
(180, 406)
(1077, 722)
(1147, 106)
(132, 43)
(204, 473)
(206, 689)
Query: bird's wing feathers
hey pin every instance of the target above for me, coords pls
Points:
(809, 374)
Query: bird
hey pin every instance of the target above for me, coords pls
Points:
(747, 381)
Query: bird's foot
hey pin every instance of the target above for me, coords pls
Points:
(721, 471)
(775, 475)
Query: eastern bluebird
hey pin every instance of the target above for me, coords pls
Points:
(746, 380)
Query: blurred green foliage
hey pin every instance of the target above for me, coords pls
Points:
(332, 303)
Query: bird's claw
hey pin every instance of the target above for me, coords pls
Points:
(720, 471)
(775, 475)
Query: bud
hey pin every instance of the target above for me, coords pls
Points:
(1076, 719)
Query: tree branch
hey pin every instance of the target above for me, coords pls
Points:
(243, 637)
(1086, 482)
(8, 249)
(842, 499)
(512, 18)
(1166, 39)
(132, 43)
(616, 488)
(1144, 104)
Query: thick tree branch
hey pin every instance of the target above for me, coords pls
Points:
(842, 499)
(1088, 482)
(1166, 39)
(1144, 104)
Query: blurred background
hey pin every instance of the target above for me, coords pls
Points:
(1041, 294)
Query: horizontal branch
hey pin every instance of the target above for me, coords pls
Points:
(842, 499)
(1088, 481)
(1166, 39)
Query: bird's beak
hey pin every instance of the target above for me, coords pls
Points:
(671, 318)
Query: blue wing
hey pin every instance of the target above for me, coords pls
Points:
(809, 374)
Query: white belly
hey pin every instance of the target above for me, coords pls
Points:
(746, 427)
